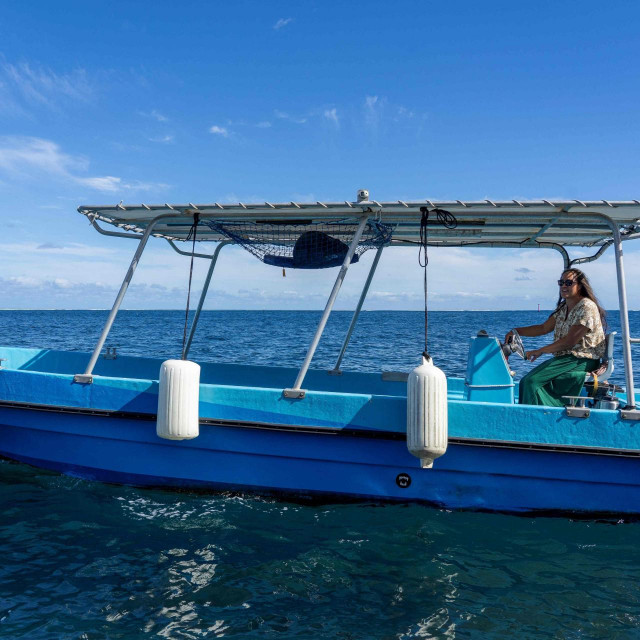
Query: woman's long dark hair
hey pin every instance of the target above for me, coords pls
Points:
(586, 291)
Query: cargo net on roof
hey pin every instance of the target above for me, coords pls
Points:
(303, 245)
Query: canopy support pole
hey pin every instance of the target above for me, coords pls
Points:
(296, 391)
(203, 295)
(336, 369)
(630, 411)
(87, 377)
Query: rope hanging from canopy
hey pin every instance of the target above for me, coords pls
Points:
(303, 244)
(448, 220)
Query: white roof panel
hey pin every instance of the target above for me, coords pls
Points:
(508, 223)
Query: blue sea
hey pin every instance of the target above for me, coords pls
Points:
(84, 560)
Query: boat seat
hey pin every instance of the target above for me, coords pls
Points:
(607, 360)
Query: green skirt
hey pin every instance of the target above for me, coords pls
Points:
(554, 378)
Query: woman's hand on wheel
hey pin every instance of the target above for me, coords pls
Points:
(508, 337)
(533, 355)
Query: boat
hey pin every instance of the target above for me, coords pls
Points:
(455, 443)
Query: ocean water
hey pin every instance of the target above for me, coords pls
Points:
(89, 560)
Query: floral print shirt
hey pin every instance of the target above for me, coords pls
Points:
(585, 313)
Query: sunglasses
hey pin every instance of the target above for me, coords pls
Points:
(566, 283)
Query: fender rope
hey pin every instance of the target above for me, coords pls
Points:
(448, 220)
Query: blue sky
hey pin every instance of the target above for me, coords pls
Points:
(254, 101)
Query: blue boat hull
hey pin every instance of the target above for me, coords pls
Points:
(283, 460)
(345, 440)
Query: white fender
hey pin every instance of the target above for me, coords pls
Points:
(427, 421)
(178, 399)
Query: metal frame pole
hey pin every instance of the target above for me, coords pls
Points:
(296, 391)
(565, 255)
(356, 313)
(86, 377)
(137, 236)
(203, 295)
(624, 315)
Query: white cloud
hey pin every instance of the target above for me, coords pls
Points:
(162, 139)
(19, 154)
(40, 86)
(62, 283)
(30, 158)
(403, 112)
(154, 115)
(220, 131)
(332, 116)
(282, 115)
(373, 108)
(263, 124)
(283, 22)
(112, 184)
(459, 278)
(74, 249)
(158, 116)
(138, 185)
(24, 281)
(104, 183)
(378, 112)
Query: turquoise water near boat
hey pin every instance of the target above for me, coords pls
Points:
(84, 559)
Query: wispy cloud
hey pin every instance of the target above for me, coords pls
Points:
(373, 110)
(49, 245)
(524, 271)
(23, 154)
(219, 131)
(155, 115)
(282, 115)
(332, 116)
(26, 85)
(283, 22)
(163, 139)
(379, 114)
(403, 113)
(31, 158)
(66, 248)
(113, 184)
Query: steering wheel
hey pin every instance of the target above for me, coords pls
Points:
(513, 346)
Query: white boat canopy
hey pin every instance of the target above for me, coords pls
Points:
(510, 223)
(486, 223)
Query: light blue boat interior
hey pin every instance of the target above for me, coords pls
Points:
(487, 379)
